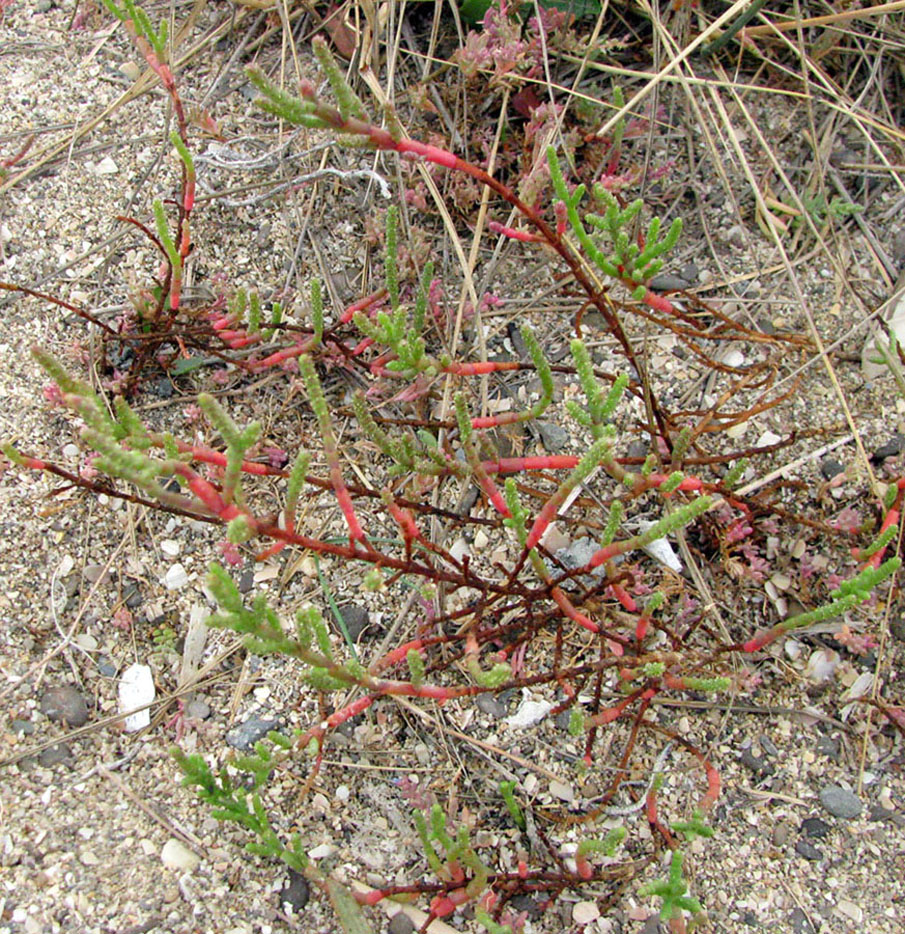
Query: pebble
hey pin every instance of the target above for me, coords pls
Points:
(248, 733)
(492, 706)
(106, 167)
(176, 577)
(25, 727)
(890, 449)
(296, 891)
(757, 765)
(830, 468)
(197, 709)
(829, 747)
(562, 791)
(850, 910)
(356, 618)
(814, 827)
(808, 851)
(554, 437)
(133, 597)
(65, 705)
(401, 923)
(585, 912)
(54, 755)
(840, 803)
(322, 851)
(170, 547)
(246, 580)
(176, 855)
(667, 282)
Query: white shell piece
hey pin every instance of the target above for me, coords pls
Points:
(136, 689)
(529, 713)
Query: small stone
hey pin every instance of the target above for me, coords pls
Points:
(840, 803)
(176, 577)
(25, 727)
(357, 620)
(781, 833)
(295, 892)
(92, 573)
(562, 791)
(130, 70)
(757, 765)
(585, 912)
(814, 827)
(106, 667)
(808, 851)
(401, 923)
(830, 468)
(246, 580)
(55, 755)
(492, 706)
(248, 733)
(829, 747)
(197, 709)
(481, 540)
(88, 858)
(84, 640)
(176, 855)
(132, 596)
(170, 547)
(65, 705)
(106, 167)
(689, 272)
(850, 910)
(890, 449)
(322, 851)
(553, 437)
(666, 282)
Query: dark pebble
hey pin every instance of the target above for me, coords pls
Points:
(133, 597)
(401, 923)
(840, 803)
(665, 282)
(768, 746)
(295, 892)
(552, 435)
(106, 667)
(528, 904)
(492, 706)
(248, 733)
(830, 468)
(879, 813)
(756, 764)
(897, 628)
(163, 388)
(54, 755)
(246, 580)
(65, 705)
(750, 919)
(828, 746)
(689, 272)
(357, 620)
(890, 449)
(808, 851)
(814, 828)
(25, 727)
